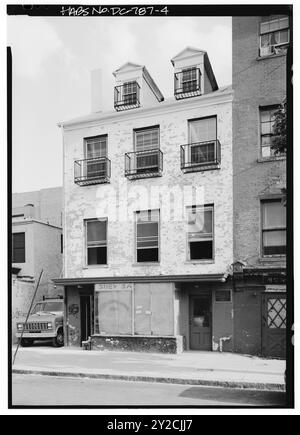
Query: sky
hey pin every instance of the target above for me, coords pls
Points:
(52, 62)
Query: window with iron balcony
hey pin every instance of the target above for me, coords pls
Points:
(96, 167)
(147, 159)
(203, 152)
(127, 96)
(187, 83)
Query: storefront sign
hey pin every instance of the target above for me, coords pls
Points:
(118, 286)
(275, 288)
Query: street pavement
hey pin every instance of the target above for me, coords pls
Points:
(31, 390)
(197, 368)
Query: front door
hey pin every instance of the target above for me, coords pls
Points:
(274, 325)
(85, 317)
(200, 322)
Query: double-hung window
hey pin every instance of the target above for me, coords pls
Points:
(130, 93)
(147, 149)
(96, 153)
(202, 139)
(273, 227)
(147, 236)
(96, 241)
(274, 34)
(267, 120)
(18, 248)
(189, 80)
(200, 232)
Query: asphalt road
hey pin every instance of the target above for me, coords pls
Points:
(32, 390)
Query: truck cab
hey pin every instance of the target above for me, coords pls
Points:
(45, 322)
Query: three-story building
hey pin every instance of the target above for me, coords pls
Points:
(148, 214)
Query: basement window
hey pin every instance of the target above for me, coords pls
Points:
(147, 243)
(96, 241)
(200, 232)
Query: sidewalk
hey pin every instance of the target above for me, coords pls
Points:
(196, 368)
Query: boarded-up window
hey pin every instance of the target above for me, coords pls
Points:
(114, 312)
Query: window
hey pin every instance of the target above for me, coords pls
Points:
(200, 233)
(18, 248)
(130, 92)
(274, 33)
(96, 150)
(189, 79)
(273, 227)
(267, 119)
(223, 296)
(96, 241)
(147, 245)
(147, 140)
(202, 137)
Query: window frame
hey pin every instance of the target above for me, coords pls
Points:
(141, 129)
(94, 138)
(188, 153)
(190, 69)
(136, 239)
(261, 34)
(262, 230)
(86, 221)
(24, 249)
(188, 252)
(261, 135)
(126, 94)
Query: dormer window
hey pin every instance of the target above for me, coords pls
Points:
(274, 36)
(187, 83)
(127, 96)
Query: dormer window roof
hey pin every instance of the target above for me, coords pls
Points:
(135, 87)
(193, 74)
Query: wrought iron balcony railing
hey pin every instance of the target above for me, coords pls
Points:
(127, 96)
(92, 171)
(144, 164)
(187, 83)
(200, 156)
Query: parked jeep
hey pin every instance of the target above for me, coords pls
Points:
(45, 322)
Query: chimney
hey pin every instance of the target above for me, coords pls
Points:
(96, 90)
(28, 211)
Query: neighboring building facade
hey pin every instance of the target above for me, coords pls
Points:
(148, 214)
(36, 245)
(259, 84)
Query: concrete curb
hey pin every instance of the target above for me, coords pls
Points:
(159, 379)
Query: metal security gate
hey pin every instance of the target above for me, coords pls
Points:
(274, 325)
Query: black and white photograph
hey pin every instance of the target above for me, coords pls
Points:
(150, 210)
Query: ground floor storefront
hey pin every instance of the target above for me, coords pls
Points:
(236, 314)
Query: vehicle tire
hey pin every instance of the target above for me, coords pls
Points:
(58, 341)
(26, 342)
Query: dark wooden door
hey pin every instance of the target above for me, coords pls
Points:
(85, 317)
(200, 322)
(274, 325)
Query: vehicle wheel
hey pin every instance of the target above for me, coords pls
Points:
(26, 342)
(58, 341)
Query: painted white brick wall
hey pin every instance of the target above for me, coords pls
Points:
(82, 202)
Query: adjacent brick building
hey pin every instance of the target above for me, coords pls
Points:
(260, 47)
(148, 214)
(36, 245)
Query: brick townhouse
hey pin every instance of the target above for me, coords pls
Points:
(148, 213)
(260, 47)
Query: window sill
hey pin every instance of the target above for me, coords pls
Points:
(96, 266)
(146, 263)
(271, 159)
(270, 56)
(272, 258)
(199, 262)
